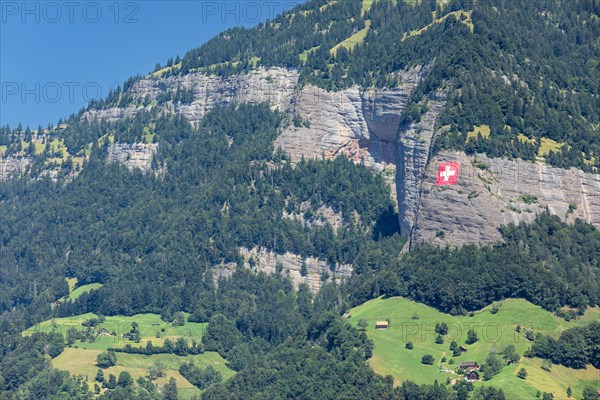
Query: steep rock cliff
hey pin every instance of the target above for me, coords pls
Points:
(359, 125)
(414, 145)
(274, 85)
(364, 126)
(9, 166)
(497, 191)
(138, 155)
(261, 260)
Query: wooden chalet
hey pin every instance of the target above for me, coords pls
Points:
(382, 325)
(468, 365)
(472, 376)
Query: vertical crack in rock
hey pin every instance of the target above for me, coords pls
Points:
(414, 145)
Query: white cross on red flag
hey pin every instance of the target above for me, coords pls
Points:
(447, 173)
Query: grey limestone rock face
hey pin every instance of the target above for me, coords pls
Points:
(10, 166)
(362, 126)
(504, 191)
(273, 85)
(138, 155)
(291, 264)
(414, 145)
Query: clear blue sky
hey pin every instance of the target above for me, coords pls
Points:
(56, 55)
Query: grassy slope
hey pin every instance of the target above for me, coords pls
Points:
(353, 40)
(458, 14)
(494, 330)
(81, 358)
(75, 293)
(483, 130)
(547, 145)
(304, 54)
(78, 361)
(149, 325)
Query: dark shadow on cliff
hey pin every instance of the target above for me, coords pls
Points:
(387, 224)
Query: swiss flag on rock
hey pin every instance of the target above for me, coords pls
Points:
(447, 173)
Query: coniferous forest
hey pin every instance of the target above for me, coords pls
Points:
(130, 231)
(156, 240)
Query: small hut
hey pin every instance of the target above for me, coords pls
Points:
(382, 325)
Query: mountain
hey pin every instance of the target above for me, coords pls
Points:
(404, 86)
(306, 148)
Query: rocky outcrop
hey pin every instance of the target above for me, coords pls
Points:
(289, 264)
(11, 166)
(495, 191)
(320, 217)
(273, 85)
(414, 144)
(138, 155)
(359, 125)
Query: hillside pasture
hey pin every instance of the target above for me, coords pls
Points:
(415, 322)
(80, 357)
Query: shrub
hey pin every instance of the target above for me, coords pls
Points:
(427, 359)
(471, 337)
(106, 359)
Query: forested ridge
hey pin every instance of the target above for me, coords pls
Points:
(527, 70)
(153, 241)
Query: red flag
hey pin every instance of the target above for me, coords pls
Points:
(447, 173)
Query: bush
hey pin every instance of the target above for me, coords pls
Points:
(409, 345)
(546, 365)
(427, 359)
(106, 359)
(362, 324)
(178, 319)
(125, 379)
(471, 337)
(201, 378)
(522, 373)
(442, 328)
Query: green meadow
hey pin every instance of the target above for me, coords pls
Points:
(80, 357)
(75, 293)
(79, 361)
(415, 322)
(151, 327)
(353, 40)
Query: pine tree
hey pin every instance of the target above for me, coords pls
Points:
(99, 375)
(471, 337)
(170, 390)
